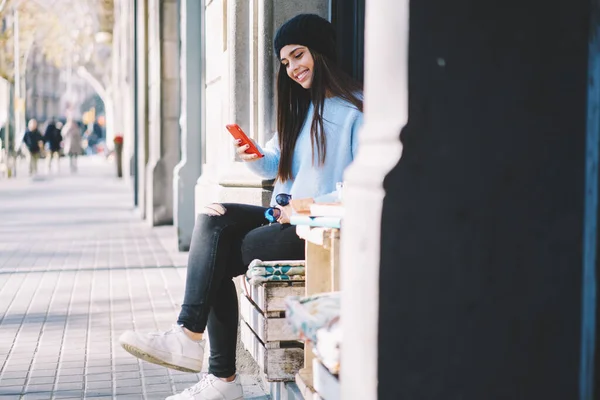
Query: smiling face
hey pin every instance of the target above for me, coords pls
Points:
(299, 64)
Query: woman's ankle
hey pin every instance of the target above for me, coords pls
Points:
(192, 335)
(229, 379)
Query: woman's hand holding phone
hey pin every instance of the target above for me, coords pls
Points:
(246, 148)
(241, 148)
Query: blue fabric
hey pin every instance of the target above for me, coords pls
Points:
(342, 122)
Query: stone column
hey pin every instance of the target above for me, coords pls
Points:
(164, 103)
(188, 170)
(115, 92)
(4, 120)
(125, 99)
(214, 151)
(386, 112)
(142, 102)
(227, 180)
(245, 95)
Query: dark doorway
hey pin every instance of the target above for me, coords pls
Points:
(348, 17)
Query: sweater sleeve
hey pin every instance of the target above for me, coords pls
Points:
(267, 166)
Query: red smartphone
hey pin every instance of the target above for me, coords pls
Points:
(239, 134)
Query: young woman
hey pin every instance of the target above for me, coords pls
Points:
(319, 114)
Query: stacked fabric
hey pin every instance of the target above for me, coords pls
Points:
(264, 271)
(316, 319)
(327, 348)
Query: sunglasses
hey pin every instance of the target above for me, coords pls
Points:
(283, 199)
(272, 214)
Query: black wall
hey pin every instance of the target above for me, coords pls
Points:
(481, 247)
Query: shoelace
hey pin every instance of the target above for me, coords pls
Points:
(206, 381)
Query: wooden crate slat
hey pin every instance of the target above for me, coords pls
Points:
(267, 329)
(278, 364)
(270, 296)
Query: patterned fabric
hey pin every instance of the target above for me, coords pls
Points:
(306, 315)
(283, 270)
(264, 271)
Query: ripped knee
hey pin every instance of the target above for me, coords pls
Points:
(214, 209)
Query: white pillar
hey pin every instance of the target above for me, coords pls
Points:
(114, 123)
(188, 170)
(164, 99)
(126, 99)
(4, 118)
(18, 103)
(214, 152)
(142, 102)
(386, 113)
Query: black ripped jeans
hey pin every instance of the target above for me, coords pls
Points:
(222, 247)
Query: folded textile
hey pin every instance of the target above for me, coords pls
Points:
(266, 271)
(255, 280)
(328, 345)
(306, 315)
(263, 271)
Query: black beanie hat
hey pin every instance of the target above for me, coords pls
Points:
(308, 30)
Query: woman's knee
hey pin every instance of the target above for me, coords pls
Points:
(208, 218)
(214, 209)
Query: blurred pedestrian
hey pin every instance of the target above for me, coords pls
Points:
(90, 140)
(71, 134)
(53, 138)
(34, 141)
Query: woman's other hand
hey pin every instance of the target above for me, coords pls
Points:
(240, 149)
(295, 206)
(286, 213)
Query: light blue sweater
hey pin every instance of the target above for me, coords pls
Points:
(341, 121)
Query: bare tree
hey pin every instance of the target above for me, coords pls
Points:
(65, 31)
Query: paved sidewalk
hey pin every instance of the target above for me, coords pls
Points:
(76, 269)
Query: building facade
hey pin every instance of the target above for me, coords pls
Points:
(52, 92)
(43, 87)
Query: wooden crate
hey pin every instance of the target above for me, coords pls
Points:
(265, 332)
(272, 327)
(278, 361)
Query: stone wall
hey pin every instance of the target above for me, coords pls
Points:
(43, 88)
(240, 88)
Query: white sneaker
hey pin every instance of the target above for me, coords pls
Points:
(172, 349)
(212, 388)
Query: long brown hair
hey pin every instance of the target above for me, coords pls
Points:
(293, 102)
